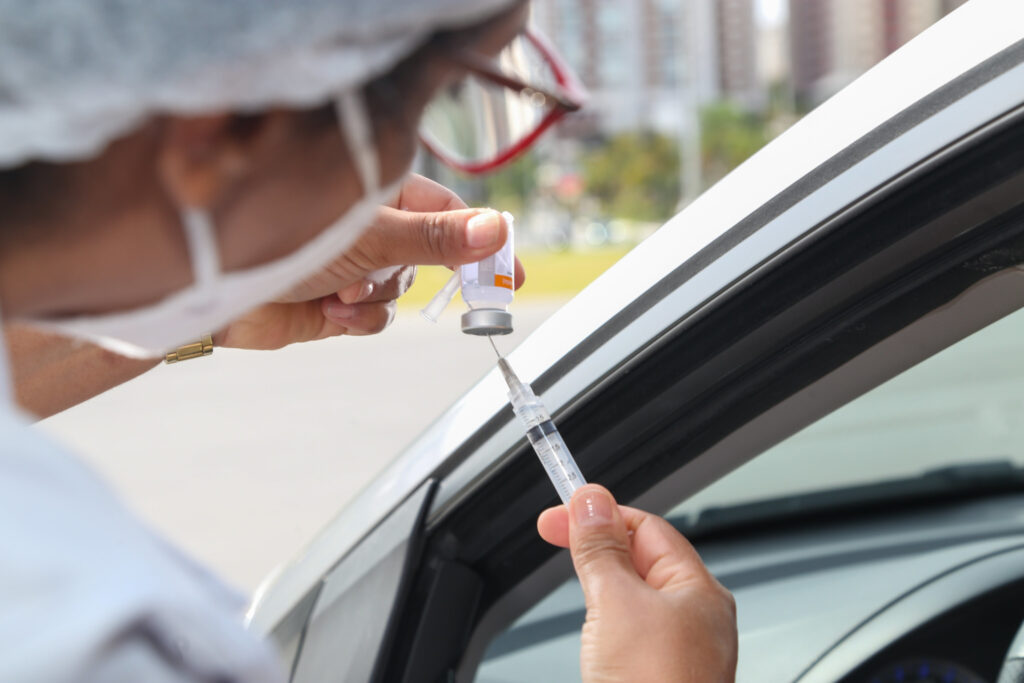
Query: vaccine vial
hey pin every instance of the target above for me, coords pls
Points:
(487, 288)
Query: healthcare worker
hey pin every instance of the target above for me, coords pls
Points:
(166, 170)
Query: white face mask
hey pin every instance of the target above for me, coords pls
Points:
(216, 298)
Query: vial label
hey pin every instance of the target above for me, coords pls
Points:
(490, 283)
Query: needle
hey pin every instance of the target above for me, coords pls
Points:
(493, 346)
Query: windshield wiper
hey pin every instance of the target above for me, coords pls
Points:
(943, 485)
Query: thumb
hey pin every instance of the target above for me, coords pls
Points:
(446, 238)
(598, 542)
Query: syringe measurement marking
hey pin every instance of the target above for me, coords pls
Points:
(546, 441)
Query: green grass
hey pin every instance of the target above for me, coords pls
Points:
(548, 274)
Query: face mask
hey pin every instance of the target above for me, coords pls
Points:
(216, 298)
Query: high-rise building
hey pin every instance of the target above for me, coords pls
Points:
(904, 19)
(643, 60)
(832, 42)
(810, 43)
(857, 39)
(738, 76)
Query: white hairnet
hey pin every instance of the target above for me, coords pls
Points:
(75, 74)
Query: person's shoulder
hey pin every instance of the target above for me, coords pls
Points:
(83, 576)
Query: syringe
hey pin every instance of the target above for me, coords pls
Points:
(543, 434)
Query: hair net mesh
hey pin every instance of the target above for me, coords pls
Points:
(75, 74)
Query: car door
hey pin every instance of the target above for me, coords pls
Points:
(882, 228)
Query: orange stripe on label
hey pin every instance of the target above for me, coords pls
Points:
(503, 281)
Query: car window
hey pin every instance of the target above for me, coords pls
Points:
(962, 406)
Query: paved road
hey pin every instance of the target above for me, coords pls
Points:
(243, 457)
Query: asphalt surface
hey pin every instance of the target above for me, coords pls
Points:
(242, 457)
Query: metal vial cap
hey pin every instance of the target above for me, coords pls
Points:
(484, 321)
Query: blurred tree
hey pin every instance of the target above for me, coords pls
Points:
(634, 175)
(511, 187)
(728, 136)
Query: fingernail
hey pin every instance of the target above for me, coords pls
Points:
(366, 291)
(482, 229)
(340, 311)
(592, 508)
(357, 292)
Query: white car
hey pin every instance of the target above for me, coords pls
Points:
(816, 370)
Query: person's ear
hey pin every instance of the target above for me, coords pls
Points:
(201, 158)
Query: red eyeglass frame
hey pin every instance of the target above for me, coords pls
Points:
(571, 98)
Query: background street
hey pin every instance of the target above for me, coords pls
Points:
(242, 457)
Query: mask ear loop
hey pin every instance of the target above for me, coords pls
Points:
(359, 139)
(199, 232)
(202, 247)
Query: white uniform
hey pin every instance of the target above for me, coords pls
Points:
(88, 593)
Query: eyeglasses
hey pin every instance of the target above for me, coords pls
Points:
(502, 106)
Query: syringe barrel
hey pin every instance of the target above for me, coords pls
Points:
(527, 406)
(554, 455)
(557, 461)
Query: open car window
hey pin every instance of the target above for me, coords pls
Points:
(962, 408)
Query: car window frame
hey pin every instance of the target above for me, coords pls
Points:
(556, 568)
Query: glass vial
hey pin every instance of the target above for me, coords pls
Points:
(487, 288)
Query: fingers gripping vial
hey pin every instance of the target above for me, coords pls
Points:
(487, 288)
(543, 435)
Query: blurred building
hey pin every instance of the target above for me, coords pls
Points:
(737, 53)
(834, 41)
(645, 60)
(773, 67)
